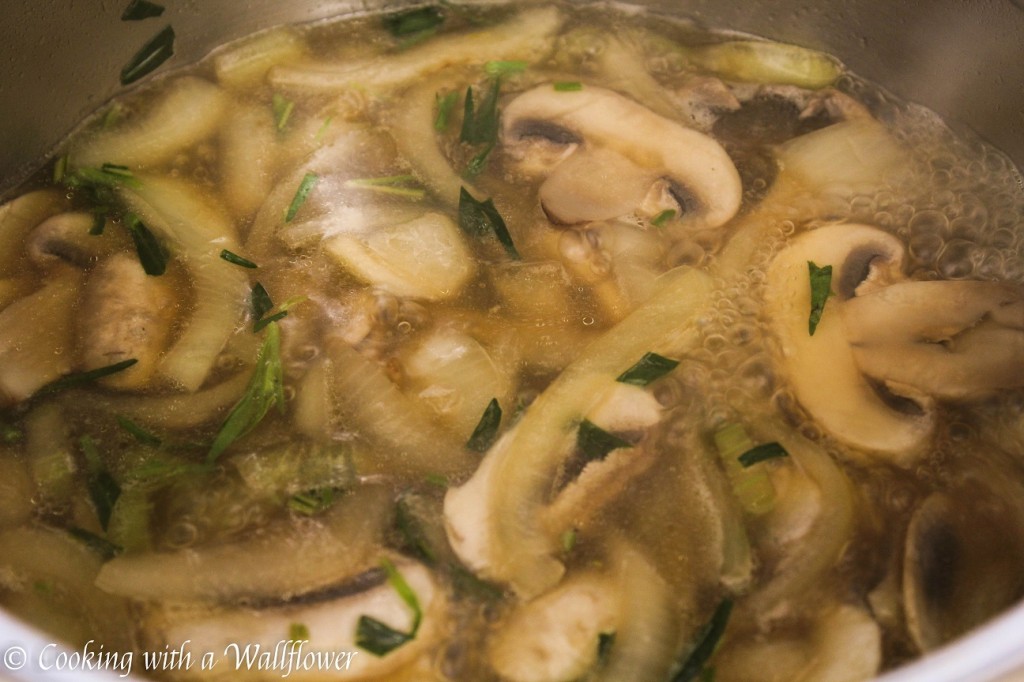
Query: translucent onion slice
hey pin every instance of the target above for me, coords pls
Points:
(189, 111)
(17, 218)
(195, 229)
(287, 559)
(502, 534)
(243, 65)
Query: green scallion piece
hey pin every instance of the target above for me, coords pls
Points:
(60, 168)
(393, 184)
(154, 53)
(138, 433)
(505, 67)
(568, 86)
(261, 301)
(705, 642)
(99, 223)
(151, 253)
(481, 218)
(445, 105)
(101, 546)
(282, 111)
(309, 181)
(762, 452)
(486, 430)
(81, 378)
(821, 289)
(404, 24)
(595, 443)
(137, 10)
(103, 489)
(298, 632)
(380, 639)
(312, 502)
(663, 218)
(235, 259)
(647, 369)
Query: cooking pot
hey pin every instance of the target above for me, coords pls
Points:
(61, 60)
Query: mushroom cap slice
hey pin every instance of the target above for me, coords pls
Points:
(626, 148)
(821, 369)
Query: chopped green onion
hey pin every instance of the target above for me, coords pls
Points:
(411, 526)
(481, 218)
(595, 443)
(103, 489)
(705, 642)
(99, 223)
(312, 502)
(323, 129)
(235, 259)
(151, 253)
(282, 111)
(60, 168)
(752, 487)
(107, 175)
(648, 369)
(762, 452)
(265, 390)
(80, 378)
(438, 480)
(154, 53)
(309, 181)
(137, 10)
(261, 302)
(568, 86)
(298, 632)
(663, 218)
(569, 540)
(477, 164)
(501, 68)
(138, 433)
(486, 429)
(393, 184)
(259, 325)
(102, 546)
(605, 642)
(380, 639)
(10, 434)
(404, 24)
(445, 105)
(821, 289)
(480, 125)
(112, 115)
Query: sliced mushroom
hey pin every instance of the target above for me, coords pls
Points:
(125, 314)
(961, 565)
(886, 347)
(66, 238)
(615, 150)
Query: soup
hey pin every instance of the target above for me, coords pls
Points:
(513, 343)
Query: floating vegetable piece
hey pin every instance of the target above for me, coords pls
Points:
(759, 61)
(871, 372)
(615, 151)
(150, 56)
(481, 218)
(422, 258)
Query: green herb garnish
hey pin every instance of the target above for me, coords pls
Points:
(821, 289)
(312, 502)
(568, 86)
(392, 184)
(151, 253)
(265, 390)
(80, 378)
(486, 429)
(323, 129)
(762, 452)
(481, 218)
(137, 10)
(138, 433)
(705, 643)
(282, 111)
(103, 489)
(503, 68)
(261, 302)
(380, 639)
(60, 168)
(235, 259)
(595, 443)
(605, 642)
(480, 126)
(437, 480)
(298, 632)
(99, 223)
(102, 546)
(411, 22)
(108, 175)
(647, 369)
(306, 186)
(663, 218)
(410, 526)
(10, 434)
(569, 538)
(445, 105)
(154, 53)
